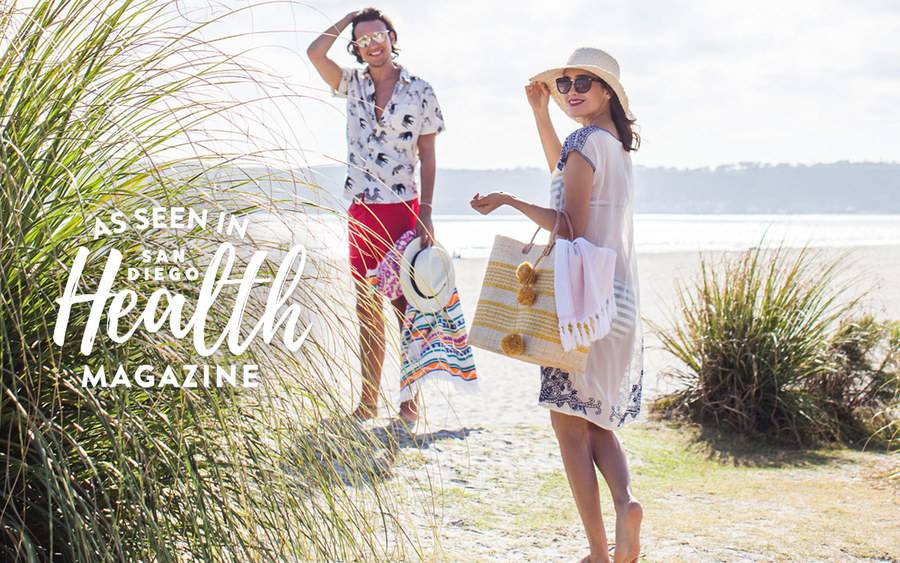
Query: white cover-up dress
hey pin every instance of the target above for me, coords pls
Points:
(608, 394)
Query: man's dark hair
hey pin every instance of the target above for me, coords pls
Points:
(368, 15)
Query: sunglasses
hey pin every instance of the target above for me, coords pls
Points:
(582, 83)
(376, 36)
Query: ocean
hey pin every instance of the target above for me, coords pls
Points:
(471, 236)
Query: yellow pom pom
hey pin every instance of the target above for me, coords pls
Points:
(512, 344)
(525, 273)
(527, 295)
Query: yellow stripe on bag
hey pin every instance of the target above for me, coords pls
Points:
(505, 330)
(542, 281)
(514, 289)
(506, 266)
(524, 325)
(550, 316)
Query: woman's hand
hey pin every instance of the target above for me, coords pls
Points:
(485, 204)
(538, 96)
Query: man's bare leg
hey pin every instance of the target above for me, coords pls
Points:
(371, 342)
(409, 410)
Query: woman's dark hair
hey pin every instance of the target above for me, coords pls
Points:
(631, 139)
(368, 15)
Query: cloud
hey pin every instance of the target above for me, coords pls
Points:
(711, 82)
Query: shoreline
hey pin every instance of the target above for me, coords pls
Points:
(511, 387)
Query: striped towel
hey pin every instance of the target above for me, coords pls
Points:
(435, 347)
(583, 283)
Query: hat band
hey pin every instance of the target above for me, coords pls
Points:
(412, 278)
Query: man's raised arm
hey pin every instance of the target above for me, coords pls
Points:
(318, 52)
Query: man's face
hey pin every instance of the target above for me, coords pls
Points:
(375, 53)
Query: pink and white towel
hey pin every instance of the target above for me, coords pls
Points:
(583, 282)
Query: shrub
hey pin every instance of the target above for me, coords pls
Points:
(768, 350)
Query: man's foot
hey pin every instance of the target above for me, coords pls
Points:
(628, 531)
(365, 412)
(602, 558)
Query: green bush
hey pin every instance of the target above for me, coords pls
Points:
(860, 387)
(768, 350)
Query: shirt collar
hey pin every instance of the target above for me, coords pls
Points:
(404, 74)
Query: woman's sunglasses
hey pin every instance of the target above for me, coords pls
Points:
(582, 83)
(376, 36)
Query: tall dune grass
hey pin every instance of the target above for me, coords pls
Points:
(771, 347)
(98, 98)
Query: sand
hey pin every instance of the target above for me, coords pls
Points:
(509, 388)
(501, 489)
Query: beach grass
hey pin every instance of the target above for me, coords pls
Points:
(106, 106)
(773, 345)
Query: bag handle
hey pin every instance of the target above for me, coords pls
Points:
(554, 234)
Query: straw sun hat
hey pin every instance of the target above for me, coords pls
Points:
(594, 61)
(427, 277)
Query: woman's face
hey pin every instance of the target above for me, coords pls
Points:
(583, 105)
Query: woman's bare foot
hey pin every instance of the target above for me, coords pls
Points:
(628, 531)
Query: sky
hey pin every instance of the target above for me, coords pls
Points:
(710, 82)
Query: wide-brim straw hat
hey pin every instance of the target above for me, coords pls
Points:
(594, 61)
(427, 276)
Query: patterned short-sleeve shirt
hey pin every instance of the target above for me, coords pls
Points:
(382, 153)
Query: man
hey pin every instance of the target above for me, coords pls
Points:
(393, 118)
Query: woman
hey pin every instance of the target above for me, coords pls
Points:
(592, 181)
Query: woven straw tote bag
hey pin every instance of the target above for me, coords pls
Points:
(516, 311)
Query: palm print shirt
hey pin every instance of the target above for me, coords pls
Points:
(382, 153)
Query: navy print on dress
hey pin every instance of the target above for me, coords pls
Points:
(633, 409)
(556, 388)
(575, 142)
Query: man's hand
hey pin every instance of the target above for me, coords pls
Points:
(424, 227)
(317, 52)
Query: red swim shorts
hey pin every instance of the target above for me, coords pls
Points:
(374, 228)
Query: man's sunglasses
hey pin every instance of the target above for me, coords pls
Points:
(379, 36)
(582, 83)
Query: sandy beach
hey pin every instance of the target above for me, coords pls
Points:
(509, 388)
(503, 494)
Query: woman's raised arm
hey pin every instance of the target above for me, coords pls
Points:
(538, 97)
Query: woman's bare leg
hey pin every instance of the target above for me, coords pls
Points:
(573, 435)
(609, 456)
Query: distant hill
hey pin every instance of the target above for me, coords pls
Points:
(840, 187)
